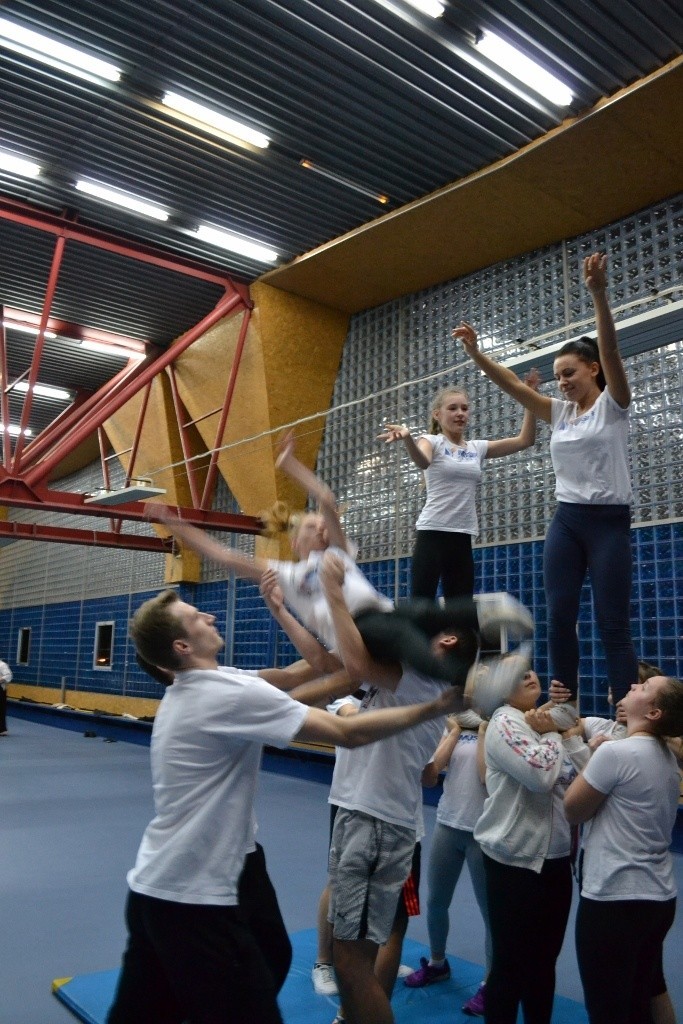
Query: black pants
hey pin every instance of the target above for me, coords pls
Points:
(405, 634)
(528, 915)
(205, 964)
(441, 555)
(3, 709)
(619, 949)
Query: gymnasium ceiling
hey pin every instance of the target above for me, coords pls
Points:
(390, 102)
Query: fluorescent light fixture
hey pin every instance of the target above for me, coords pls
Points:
(44, 391)
(17, 165)
(523, 68)
(120, 198)
(434, 8)
(14, 430)
(333, 176)
(118, 351)
(13, 325)
(214, 119)
(57, 55)
(235, 243)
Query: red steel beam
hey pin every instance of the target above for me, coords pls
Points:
(38, 350)
(16, 494)
(89, 423)
(210, 481)
(138, 433)
(65, 422)
(182, 421)
(93, 538)
(4, 400)
(22, 213)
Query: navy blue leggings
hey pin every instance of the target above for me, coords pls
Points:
(594, 539)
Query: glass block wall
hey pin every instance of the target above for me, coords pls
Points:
(399, 355)
(395, 359)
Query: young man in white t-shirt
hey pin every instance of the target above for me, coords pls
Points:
(206, 941)
(379, 794)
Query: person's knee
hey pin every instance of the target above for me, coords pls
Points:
(354, 960)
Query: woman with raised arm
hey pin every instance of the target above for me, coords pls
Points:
(452, 467)
(590, 530)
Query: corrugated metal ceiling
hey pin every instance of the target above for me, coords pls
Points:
(374, 92)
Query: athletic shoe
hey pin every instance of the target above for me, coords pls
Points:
(502, 611)
(339, 1019)
(427, 974)
(324, 981)
(490, 683)
(474, 1007)
(404, 970)
(564, 716)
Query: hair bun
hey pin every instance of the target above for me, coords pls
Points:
(276, 519)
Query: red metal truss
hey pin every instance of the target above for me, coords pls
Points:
(24, 474)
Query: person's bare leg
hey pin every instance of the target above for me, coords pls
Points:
(324, 929)
(389, 956)
(662, 1009)
(363, 998)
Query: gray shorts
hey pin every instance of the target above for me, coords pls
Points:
(369, 862)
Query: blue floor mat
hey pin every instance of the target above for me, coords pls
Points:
(89, 996)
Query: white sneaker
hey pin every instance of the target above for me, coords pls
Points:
(324, 981)
(404, 970)
(490, 683)
(502, 611)
(565, 716)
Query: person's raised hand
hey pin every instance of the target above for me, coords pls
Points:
(540, 721)
(332, 572)
(393, 432)
(595, 272)
(466, 334)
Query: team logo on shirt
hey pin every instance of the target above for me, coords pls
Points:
(310, 584)
(579, 421)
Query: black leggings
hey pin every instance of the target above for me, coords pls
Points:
(528, 915)
(619, 950)
(406, 633)
(205, 963)
(441, 555)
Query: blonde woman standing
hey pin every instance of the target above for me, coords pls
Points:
(452, 467)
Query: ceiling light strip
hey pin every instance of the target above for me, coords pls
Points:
(521, 67)
(123, 199)
(214, 119)
(50, 51)
(236, 243)
(18, 165)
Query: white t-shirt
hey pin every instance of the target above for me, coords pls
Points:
(452, 480)
(300, 585)
(384, 779)
(594, 726)
(464, 793)
(590, 453)
(5, 674)
(205, 753)
(626, 843)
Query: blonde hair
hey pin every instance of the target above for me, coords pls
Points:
(278, 519)
(438, 400)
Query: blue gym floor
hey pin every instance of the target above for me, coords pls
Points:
(72, 810)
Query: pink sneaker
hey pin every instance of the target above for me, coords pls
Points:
(474, 1007)
(427, 974)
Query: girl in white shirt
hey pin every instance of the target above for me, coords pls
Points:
(628, 796)
(591, 527)
(452, 468)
